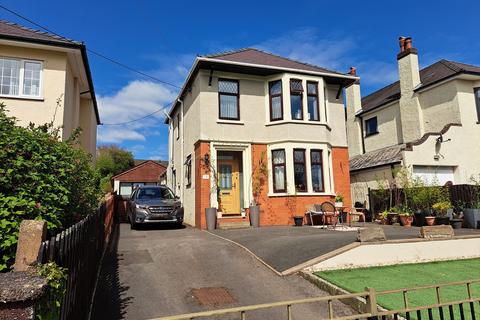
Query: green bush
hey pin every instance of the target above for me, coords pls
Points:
(41, 178)
(112, 160)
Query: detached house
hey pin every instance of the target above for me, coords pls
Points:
(428, 121)
(38, 71)
(238, 108)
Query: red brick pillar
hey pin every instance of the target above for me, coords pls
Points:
(202, 183)
(341, 174)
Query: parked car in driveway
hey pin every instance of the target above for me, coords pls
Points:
(154, 204)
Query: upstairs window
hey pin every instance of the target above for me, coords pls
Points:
(317, 170)
(477, 102)
(228, 99)
(371, 126)
(20, 78)
(276, 100)
(312, 99)
(279, 172)
(300, 170)
(296, 99)
(188, 170)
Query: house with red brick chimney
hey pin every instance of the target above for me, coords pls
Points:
(242, 110)
(427, 122)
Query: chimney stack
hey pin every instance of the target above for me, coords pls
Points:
(353, 103)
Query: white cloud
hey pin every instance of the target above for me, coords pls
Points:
(136, 100)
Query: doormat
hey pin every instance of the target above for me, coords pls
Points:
(213, 296)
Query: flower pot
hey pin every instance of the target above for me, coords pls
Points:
(298, 221)
(339, 204)
(255, 216)
(456, 223)
(392, 218)
(442, 220)
(406, 221)
(430, 220)
(211, 217)
(472, 217)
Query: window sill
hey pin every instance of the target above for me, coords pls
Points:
(21, 98)
(237, 122)
(371, 134)
(301, 194)
(307, 122)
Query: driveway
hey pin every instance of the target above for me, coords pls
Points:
(158, 272)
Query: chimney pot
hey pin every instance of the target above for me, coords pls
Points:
(353, 71)
(401, 42)
(408, 43)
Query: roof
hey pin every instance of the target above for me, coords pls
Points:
(16, 32)
(256, 56)
(377, 158)
(430, 75)
(257, 62)
(160, 162)
(137, 166)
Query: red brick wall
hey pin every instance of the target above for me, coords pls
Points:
(274, 210)
(202, 186)
(146, 172)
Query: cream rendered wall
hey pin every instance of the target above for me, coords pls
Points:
(88, 124)
(71, 114)
(360, 181)
(389, 128)
(39, 111)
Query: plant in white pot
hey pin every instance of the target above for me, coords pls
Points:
(472, 213)
(211, 212)
(339, 200)
(259, 177)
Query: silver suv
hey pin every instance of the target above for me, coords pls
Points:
(154, 204)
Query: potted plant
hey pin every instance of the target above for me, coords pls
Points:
(406, 217)
(291, 204)
(383, 217)
(259, 177)
(472, 213)
(339, 200)
(392, 216)
(211, 212)
(430, 218)
(457, 220)
(441, 208)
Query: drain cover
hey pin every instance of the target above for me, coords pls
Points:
(213, 296)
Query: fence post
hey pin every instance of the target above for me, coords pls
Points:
(32, 234)
(372, 303)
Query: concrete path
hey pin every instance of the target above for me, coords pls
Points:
(154, 272)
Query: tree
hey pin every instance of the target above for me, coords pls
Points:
(112, 160)
(41, 178)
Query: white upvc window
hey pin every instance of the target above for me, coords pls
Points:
(20, 78)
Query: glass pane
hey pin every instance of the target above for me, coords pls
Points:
(317, 181)
(278, 156)
(9, 76)
(316, 157)
(228, 106)
(299, 156)
(279, 178)
(313, 108)
(125, 189)
(300, 179)
(276, 87)
(296, 105)
(227, 86)
(296, 86)
(371, 125)
(312, 88)
(225, 177)
(31, 79)
(276, 107)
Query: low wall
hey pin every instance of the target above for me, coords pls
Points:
(401, 252)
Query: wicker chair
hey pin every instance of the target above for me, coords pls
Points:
(330, 213)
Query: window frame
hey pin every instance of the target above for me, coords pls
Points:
(476, 91)
(284, 165)
(304, 164)
(270, 96)
(312, 163)
(188, 170)
(316, 97)
(294, 93)
(367, 133)
(21, 79)
(178, 125)
(229, 94)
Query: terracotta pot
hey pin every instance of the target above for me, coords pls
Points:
(406, 220)
(430, 220)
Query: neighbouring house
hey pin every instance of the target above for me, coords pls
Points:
(237, 108)
(45, 78)
(145, 172)
(428, 122)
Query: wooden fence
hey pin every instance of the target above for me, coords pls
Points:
(379, 200)
(80, 249)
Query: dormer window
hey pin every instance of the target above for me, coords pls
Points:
(20, 78)
(296, 99)
(228, 99)
(371, 126)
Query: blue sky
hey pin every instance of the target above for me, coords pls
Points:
(162, 38)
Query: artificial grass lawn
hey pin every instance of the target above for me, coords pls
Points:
(409, 276)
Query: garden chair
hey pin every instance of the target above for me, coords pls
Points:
(357, 212)
(313, 212)
(329, 213)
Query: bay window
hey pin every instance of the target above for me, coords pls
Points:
(317, 170)
(279, 172)
(296, 99)
(312, 99)
(300, 171)
(20, 78)
(276, 100)
(228, 99)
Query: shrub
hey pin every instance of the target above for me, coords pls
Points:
(41, 178)
(112, 160)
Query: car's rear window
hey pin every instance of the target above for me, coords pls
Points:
(154, 193)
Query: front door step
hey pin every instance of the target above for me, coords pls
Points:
(228, 224)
